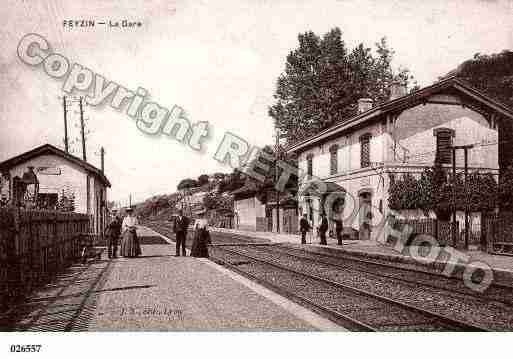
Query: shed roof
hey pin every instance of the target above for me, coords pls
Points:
(50, 149)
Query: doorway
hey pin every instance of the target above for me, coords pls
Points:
(365, 215)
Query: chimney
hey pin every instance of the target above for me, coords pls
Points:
(364, 104)
(397, 89)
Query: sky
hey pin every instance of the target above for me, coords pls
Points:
(218, 60)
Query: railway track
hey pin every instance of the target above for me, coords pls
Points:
(450, 286)
(429, 292)
(353, 308)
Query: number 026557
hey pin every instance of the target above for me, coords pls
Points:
(30, 348)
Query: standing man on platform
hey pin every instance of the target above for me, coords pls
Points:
(113, 232)
(304, 228)
(180, 228)
(339, 227)
(323, 228)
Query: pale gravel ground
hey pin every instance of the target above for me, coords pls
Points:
(161, 292)
(156, 292)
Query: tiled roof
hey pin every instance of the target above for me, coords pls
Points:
(49, 149)
(403, 102)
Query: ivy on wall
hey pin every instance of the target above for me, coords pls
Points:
(437, 190)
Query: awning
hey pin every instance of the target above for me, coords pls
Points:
(287, 200)
(320, 188)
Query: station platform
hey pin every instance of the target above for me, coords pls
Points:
(501, 265)
(159, 292)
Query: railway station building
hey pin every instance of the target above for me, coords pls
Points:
(359, 155)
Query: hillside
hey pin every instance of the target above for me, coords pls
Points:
(190, 195)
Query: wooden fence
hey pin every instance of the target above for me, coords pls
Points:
(499, 234)
(440, 230)
(34, 245)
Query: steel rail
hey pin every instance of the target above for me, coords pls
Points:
(381, 275)
(443, 319)
(334, 315)
(455, 322)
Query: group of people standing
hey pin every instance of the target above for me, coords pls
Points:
(127, 230)
(201, 238)
(305, 227)
(131, 247)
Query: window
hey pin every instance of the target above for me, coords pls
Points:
(333, 159)
(443, 144)
(365, 150)
(309, 164)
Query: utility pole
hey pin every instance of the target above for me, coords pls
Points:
(454, 233)
(465, 148)
(277, 151)
(66, 145)
(467, 224)
(102, 156)
(130, 200)
(82, 131)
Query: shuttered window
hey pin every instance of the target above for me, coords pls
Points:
(443, 145)
(333, 159)
(365, 150)
(309, 165)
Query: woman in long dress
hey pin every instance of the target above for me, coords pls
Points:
(130, 246)
(201, 239)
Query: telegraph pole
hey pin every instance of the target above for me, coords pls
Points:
(465, 148)
(454, 233)
(66, 145)
(82, 131)
(102, 156)
(276, 180)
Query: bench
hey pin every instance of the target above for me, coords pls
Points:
(88, 248)
(504, 248)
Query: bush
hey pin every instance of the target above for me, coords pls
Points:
(437, 191)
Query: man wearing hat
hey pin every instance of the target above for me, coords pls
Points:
(180, 227)
(323, 228)
(113, 232)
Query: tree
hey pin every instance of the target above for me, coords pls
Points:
(218, 176)
(234, 181)
(323, 81)
(493, 75)
(210, 200)
(62, 203)
(71, 203)
(187, 183)
(66, 202)
(203, 179)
